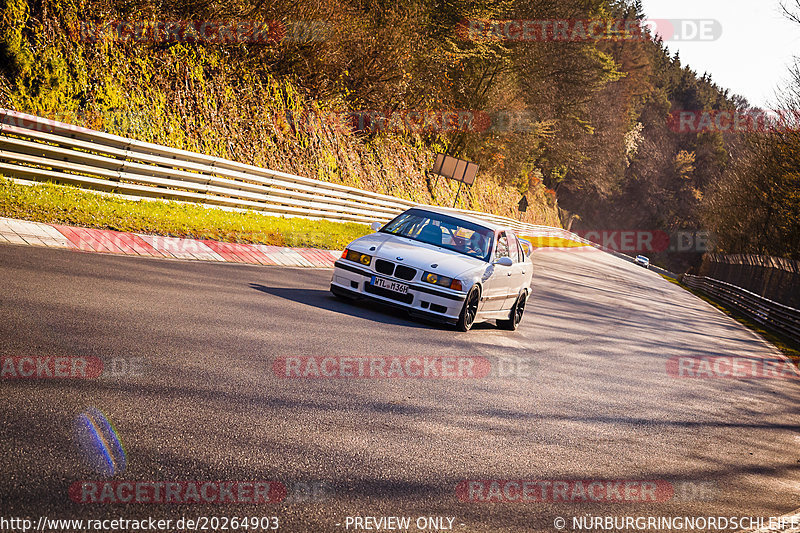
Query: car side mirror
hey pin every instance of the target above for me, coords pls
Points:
(376, 226)
(503, 261)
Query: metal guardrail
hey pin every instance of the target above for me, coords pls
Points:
(777, 316)
(38, 149)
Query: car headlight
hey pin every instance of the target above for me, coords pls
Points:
(442, 281)
(357, 257)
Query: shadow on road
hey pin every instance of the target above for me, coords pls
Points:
(366, 309)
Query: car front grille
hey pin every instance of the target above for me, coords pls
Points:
(404, 272)
(400, 271)
(384, 267)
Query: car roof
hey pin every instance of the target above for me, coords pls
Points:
(463, 216)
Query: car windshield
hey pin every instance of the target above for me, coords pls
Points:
(442, 230)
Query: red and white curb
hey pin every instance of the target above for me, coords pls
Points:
(118, 242)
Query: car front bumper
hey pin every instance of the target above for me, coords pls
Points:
(356, 281)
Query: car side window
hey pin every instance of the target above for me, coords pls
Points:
(502, 246)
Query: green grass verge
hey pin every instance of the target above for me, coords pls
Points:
(786, 345)
(64, 204)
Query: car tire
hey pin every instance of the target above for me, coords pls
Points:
(470, 310)
(515, 317)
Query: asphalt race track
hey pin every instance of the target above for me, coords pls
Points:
(591, 398)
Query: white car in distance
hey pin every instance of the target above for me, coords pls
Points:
(440, 265)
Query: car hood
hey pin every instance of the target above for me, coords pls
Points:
(417, 254)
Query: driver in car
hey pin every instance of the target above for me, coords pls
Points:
(477, 244)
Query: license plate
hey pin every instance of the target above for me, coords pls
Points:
(389, 285)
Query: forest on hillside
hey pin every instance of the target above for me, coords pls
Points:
(584, 128)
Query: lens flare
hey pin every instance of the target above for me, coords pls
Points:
(98, 443)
